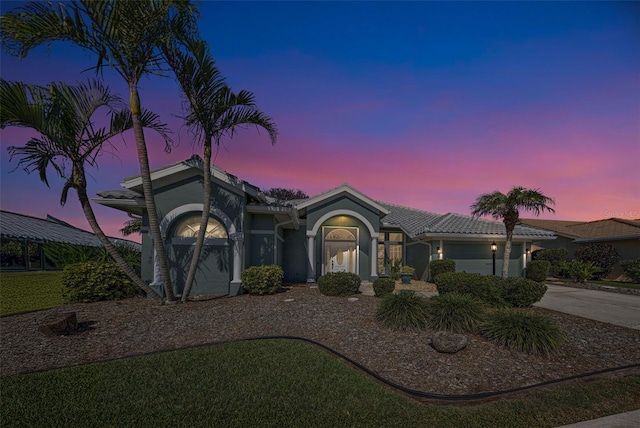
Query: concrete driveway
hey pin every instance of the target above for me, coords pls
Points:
(613, 308)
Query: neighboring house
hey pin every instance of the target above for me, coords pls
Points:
(621, 234)
(339, 230)
(23, 237)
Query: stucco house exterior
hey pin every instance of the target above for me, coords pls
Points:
(341, 229)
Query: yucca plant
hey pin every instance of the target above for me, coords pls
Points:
(403, 311)
(522, 331)
(455, 312)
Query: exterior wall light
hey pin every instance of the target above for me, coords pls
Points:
(494, 248)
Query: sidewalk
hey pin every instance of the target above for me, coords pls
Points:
(621, 420)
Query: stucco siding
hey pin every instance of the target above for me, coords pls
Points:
(294, 257)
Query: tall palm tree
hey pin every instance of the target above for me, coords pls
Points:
(507, 208)
(126, 36)
(213, 112)
(69, 140)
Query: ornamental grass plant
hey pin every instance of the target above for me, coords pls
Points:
(456, 313)
(403, 311)
(523, 331)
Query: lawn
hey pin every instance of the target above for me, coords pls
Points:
(266, 383)
(29, 291)
(271, 383)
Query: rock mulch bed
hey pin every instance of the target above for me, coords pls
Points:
(137, 326)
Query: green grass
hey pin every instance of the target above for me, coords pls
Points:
(29, 291)
(272, 383)
(609, 283)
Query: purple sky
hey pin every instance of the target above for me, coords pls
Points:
(422, 104)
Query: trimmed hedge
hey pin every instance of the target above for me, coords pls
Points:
(436, 267)
(603, 256)
(632, 269)
(520, 292)
(383, 286)
(262, 279)
(95, 281)
(556, 256)
(483, 287)
(339, 284)
(537, 270)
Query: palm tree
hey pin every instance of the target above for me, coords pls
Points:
(507, 208)
(126, 36)
(213, 112)
(69, 140)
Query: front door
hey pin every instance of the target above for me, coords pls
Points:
(340, 249)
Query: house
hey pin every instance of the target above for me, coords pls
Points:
(23, 239)
(339, 230)
(621, 234)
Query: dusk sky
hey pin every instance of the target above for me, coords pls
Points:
(421, 104)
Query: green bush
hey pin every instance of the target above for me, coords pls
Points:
(94, 281)
(522, 331)
(458, 313)
(393, 268)
(403, 311)
(383, 286)
(436, 267)
(580, 271)
(520, 292)
(61, 254)
(537, 270)
(556, 256)
(483, 287)
(339, 284)
(262, 279)
(632, 269)
(603, 256)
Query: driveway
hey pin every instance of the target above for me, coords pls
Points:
(613, 308)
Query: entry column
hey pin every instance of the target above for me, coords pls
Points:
(311, 262)
(236, 282)
(374, 257)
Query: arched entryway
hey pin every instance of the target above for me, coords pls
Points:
(340, 249)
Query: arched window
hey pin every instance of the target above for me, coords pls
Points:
(188, 228)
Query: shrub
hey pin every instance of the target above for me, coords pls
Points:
(603, 256)
(483, 287)
(436, 267)
(62, 254)
(262, 279)
(403, 311)
(94, 281)
(393, 268)
(522, 331)
(339, 283)
(632, 269)
(520, 292)
(407, 270)
(454, 312)
(537, 270)
(383, 286)
(556, 256)
(580, 271)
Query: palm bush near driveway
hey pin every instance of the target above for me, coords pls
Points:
(580, 271)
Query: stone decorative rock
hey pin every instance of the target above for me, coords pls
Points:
(59, 324)
(289, 300)
(353, 299)
(449, 343)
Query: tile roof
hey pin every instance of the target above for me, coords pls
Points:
(411, 220)
(20, 226)
(598, 229)
(468, 225)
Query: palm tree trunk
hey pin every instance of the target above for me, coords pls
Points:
(145, 173)
(507, 253)
(97, 230)
(204, 220)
